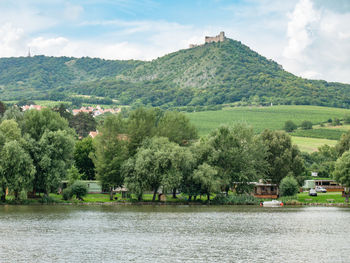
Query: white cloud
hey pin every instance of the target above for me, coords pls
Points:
(12, 41)
(73, 12)
(318, 43)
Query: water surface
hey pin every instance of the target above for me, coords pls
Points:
(174, 234)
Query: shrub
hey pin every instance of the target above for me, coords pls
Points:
(336, 122)
(289, 126)
(289, 186)
(306, 125)
(67, 193)
(79, 189)
(222, 199)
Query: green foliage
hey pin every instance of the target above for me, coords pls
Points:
(82, 151)
(222, 199)
(73, 175)
(16, 168)
(343, 144)
(206, 178)
(150, 166)
(83, 123)
(289, 186)
(306, 125)
(283, 157)
(289, 126)
(238, 155)
(67, 193)
(336, 122)
(347, 119)
(79, 189)
(177, 128)
(342, 169)
(111, 151)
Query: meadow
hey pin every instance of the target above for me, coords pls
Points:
(261, 118)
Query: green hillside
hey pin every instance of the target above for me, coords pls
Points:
(211, 74)
(30, 77)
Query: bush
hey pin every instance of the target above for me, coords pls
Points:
(222, 199)
(79, 189)
(289, 186)
(289, 126)
(306, 125)
(336, 122)
(67, 194)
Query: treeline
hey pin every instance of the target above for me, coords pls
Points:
(152, 150)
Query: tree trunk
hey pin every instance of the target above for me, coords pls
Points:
(139, 198)
(16, 195)
(174, 193)
(194, 198)
(208, 197)
(154, 195)
(189, 197)
(347, 198)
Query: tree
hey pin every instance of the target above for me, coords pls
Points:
(112, 150)
(79, 189)
(289, 126)
(342, 171)
(343, 144)
(237, 154)
(73, 175)
(177, 128)
(306, 125)
(10, 129)
(289, 186)
(282, 156)
(50, 143)
(82, 152)
(152, 164)
(206, 177)
(62, 109)
(13, 113)
(141, 125)
(16, 168)
(83, 123)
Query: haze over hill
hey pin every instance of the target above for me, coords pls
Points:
(210, 74)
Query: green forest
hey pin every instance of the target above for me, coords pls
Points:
(212, 74)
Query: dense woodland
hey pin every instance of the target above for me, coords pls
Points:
(211, 74)
(151, 150)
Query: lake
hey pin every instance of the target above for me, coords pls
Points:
(174, 234)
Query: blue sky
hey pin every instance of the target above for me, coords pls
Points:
(310, 38)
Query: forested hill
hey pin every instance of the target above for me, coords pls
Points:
(210, 74)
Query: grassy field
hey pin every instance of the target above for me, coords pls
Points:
(323, 198)
(311, 144)
(261, 118)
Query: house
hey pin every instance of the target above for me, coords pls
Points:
(265, 190)
(329, 185)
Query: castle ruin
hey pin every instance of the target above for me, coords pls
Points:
(219, 38)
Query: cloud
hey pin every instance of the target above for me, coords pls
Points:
(318, 42)
(12, 41)
(72, 12)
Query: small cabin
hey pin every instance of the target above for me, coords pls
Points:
(330, 185)
(266, 190)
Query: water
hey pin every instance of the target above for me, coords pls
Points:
(174, 234)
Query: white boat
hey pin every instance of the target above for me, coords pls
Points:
(273, 203)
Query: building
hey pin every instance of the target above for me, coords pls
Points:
(266, 190)
(329, 185)
(219, 38)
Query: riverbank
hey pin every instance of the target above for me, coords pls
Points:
(302, 199)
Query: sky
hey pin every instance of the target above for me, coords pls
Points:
(309, 38)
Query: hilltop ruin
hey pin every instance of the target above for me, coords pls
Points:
(219, 38)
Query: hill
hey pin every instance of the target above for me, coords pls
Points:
(211, 74)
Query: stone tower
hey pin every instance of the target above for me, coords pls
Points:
(219, 38)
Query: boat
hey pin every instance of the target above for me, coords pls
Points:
(273, 203)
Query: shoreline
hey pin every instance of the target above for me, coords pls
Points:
(166, 204)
